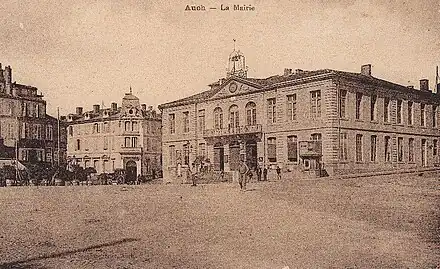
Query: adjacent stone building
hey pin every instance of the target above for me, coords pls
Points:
(126, 137)
(309, 123)
(25, 125)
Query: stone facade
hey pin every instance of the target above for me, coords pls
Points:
(23, 119)
(126, 137)
(310, 123)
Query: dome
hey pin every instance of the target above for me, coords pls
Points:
(130, 100)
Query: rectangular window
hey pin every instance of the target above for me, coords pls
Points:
(78, 145)
(202, 150)
(105, 166)
(400, 149)
(343, 147)
(127, 142)
(422, 115)
(315, 103)
(272, 149)
(411, 150)
(172, 118)
(49, 132)
(373, 111)
(358, 105)
(373, 151)
(387, 149)
(201, 120)
(423, 152)
(291, 107)
(342, 103)
(386, 109)
(271, 110)
(359, 152)
(134, 142)
(434, 116)
(410, 113)
(292, 148)
(434, 147)
(172, 152)
(186, 154)
(185, 121)
(134, 126)
(399, 111)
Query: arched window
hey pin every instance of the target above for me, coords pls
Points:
(218, 118)
(251, 114)
(234, 118)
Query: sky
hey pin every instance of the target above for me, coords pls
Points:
(81, 53)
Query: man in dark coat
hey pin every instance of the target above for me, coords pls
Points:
(243, 169)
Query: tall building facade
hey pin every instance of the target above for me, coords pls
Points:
(306, 122)
(126, 137)
(25, 125)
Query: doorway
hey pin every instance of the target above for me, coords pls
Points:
(131, 171)
(234, 156)
(219, 157)
(251, 154)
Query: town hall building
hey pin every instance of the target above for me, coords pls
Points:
(308, 123)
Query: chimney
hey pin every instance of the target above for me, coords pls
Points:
(150, 108)
(79, 110)
(410, 87)
(96, 109)
(287, 71)
(366, 69)
(2, 78)
(114, 106)
(8, 79)
(144, 107)
(424, 85)
(298, 71)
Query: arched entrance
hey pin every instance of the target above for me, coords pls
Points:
(131, 171)
(219, 157)
(251, 154)
(234, 156)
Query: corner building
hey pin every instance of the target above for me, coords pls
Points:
(310, 123)
(126, 137)
(24, 125)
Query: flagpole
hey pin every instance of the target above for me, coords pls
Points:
(437, 86)
(16, 159)
(58, 136)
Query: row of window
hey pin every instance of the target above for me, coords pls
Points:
(129, 142)
(129, 126)
(251, 114)
(35, 131)
(31, 110)
(387, 150)
(387, 110)
(183, 158)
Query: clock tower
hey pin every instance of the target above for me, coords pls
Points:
(236, 64)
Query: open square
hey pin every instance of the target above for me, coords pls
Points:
(377, 222)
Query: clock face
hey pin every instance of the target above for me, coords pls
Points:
(233, 87)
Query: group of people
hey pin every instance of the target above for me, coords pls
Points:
(246, 173)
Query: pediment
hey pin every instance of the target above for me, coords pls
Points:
(235, 86)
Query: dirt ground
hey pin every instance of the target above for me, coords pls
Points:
(380, 222)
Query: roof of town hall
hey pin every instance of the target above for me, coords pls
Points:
(262, 84)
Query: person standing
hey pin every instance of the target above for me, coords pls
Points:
(265, 173)
(279, 172)
(258, 172)
(243, 169)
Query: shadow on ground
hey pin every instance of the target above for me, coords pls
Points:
(27, 263)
